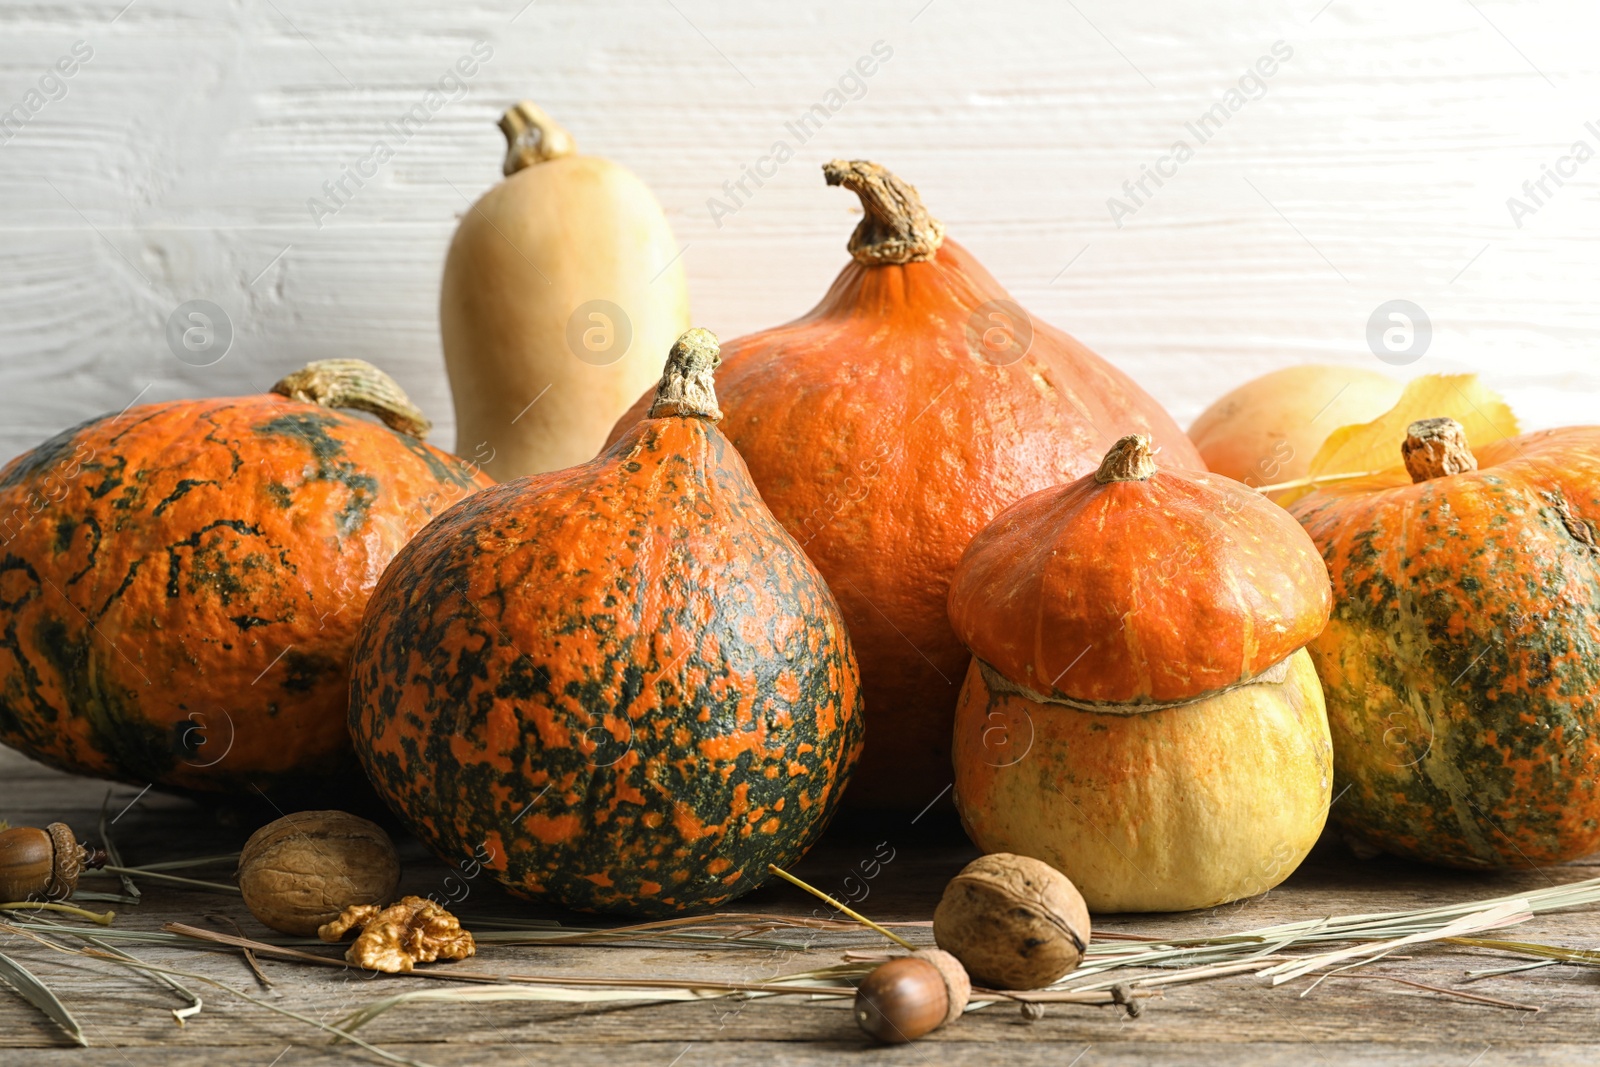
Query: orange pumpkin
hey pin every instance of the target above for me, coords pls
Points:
(1462, 663)
(1139, 713)
(180, 583)
(889, 424)
(622, 685)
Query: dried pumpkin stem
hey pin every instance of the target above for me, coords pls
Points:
(1434, 448)
(897, 229)
(1130, 460)
(842, 909)
(532, 137)
(355, 384)
(686, 384)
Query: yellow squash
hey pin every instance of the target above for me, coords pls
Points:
(1267, 430)
(1167, 810)
(562, 288)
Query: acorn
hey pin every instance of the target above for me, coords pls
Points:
(43, 864)
(912, 995)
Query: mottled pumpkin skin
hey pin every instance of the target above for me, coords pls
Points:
(622, 686)
(180, 585)
(1139, 592)
(1186, 807)
(1462, 662)
(884, 437)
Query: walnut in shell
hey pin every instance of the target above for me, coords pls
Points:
(302, 870)
(1013, 922)
(396, 938)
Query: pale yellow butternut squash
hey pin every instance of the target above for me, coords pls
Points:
(562, 288)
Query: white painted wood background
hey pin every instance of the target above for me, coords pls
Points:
(1377, 165)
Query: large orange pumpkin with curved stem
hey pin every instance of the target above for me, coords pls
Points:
(1462, 662)
(889, 424)
(180, 583)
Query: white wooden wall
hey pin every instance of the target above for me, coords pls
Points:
(1377, 165)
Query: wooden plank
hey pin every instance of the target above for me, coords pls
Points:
(1233, 1021)
(932, 1052)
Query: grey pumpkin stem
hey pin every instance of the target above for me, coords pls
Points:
(532, 137)
(897, 228)
(686, 385)
(358, 385)
(1434, 448)
(1130, 460)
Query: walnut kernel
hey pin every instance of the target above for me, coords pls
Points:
(396, 938)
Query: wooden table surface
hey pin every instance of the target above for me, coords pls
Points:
(1230, 1021)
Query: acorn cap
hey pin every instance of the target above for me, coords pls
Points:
(957, 985)
(1138, 587)
(68, 860)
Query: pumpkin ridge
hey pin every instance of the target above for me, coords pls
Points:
(998, 683)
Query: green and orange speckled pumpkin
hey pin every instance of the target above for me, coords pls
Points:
(180, 583)
(623, 686)
(1462, 662)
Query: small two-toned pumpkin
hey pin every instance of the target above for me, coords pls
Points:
(622, 685)
(1140, 713)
